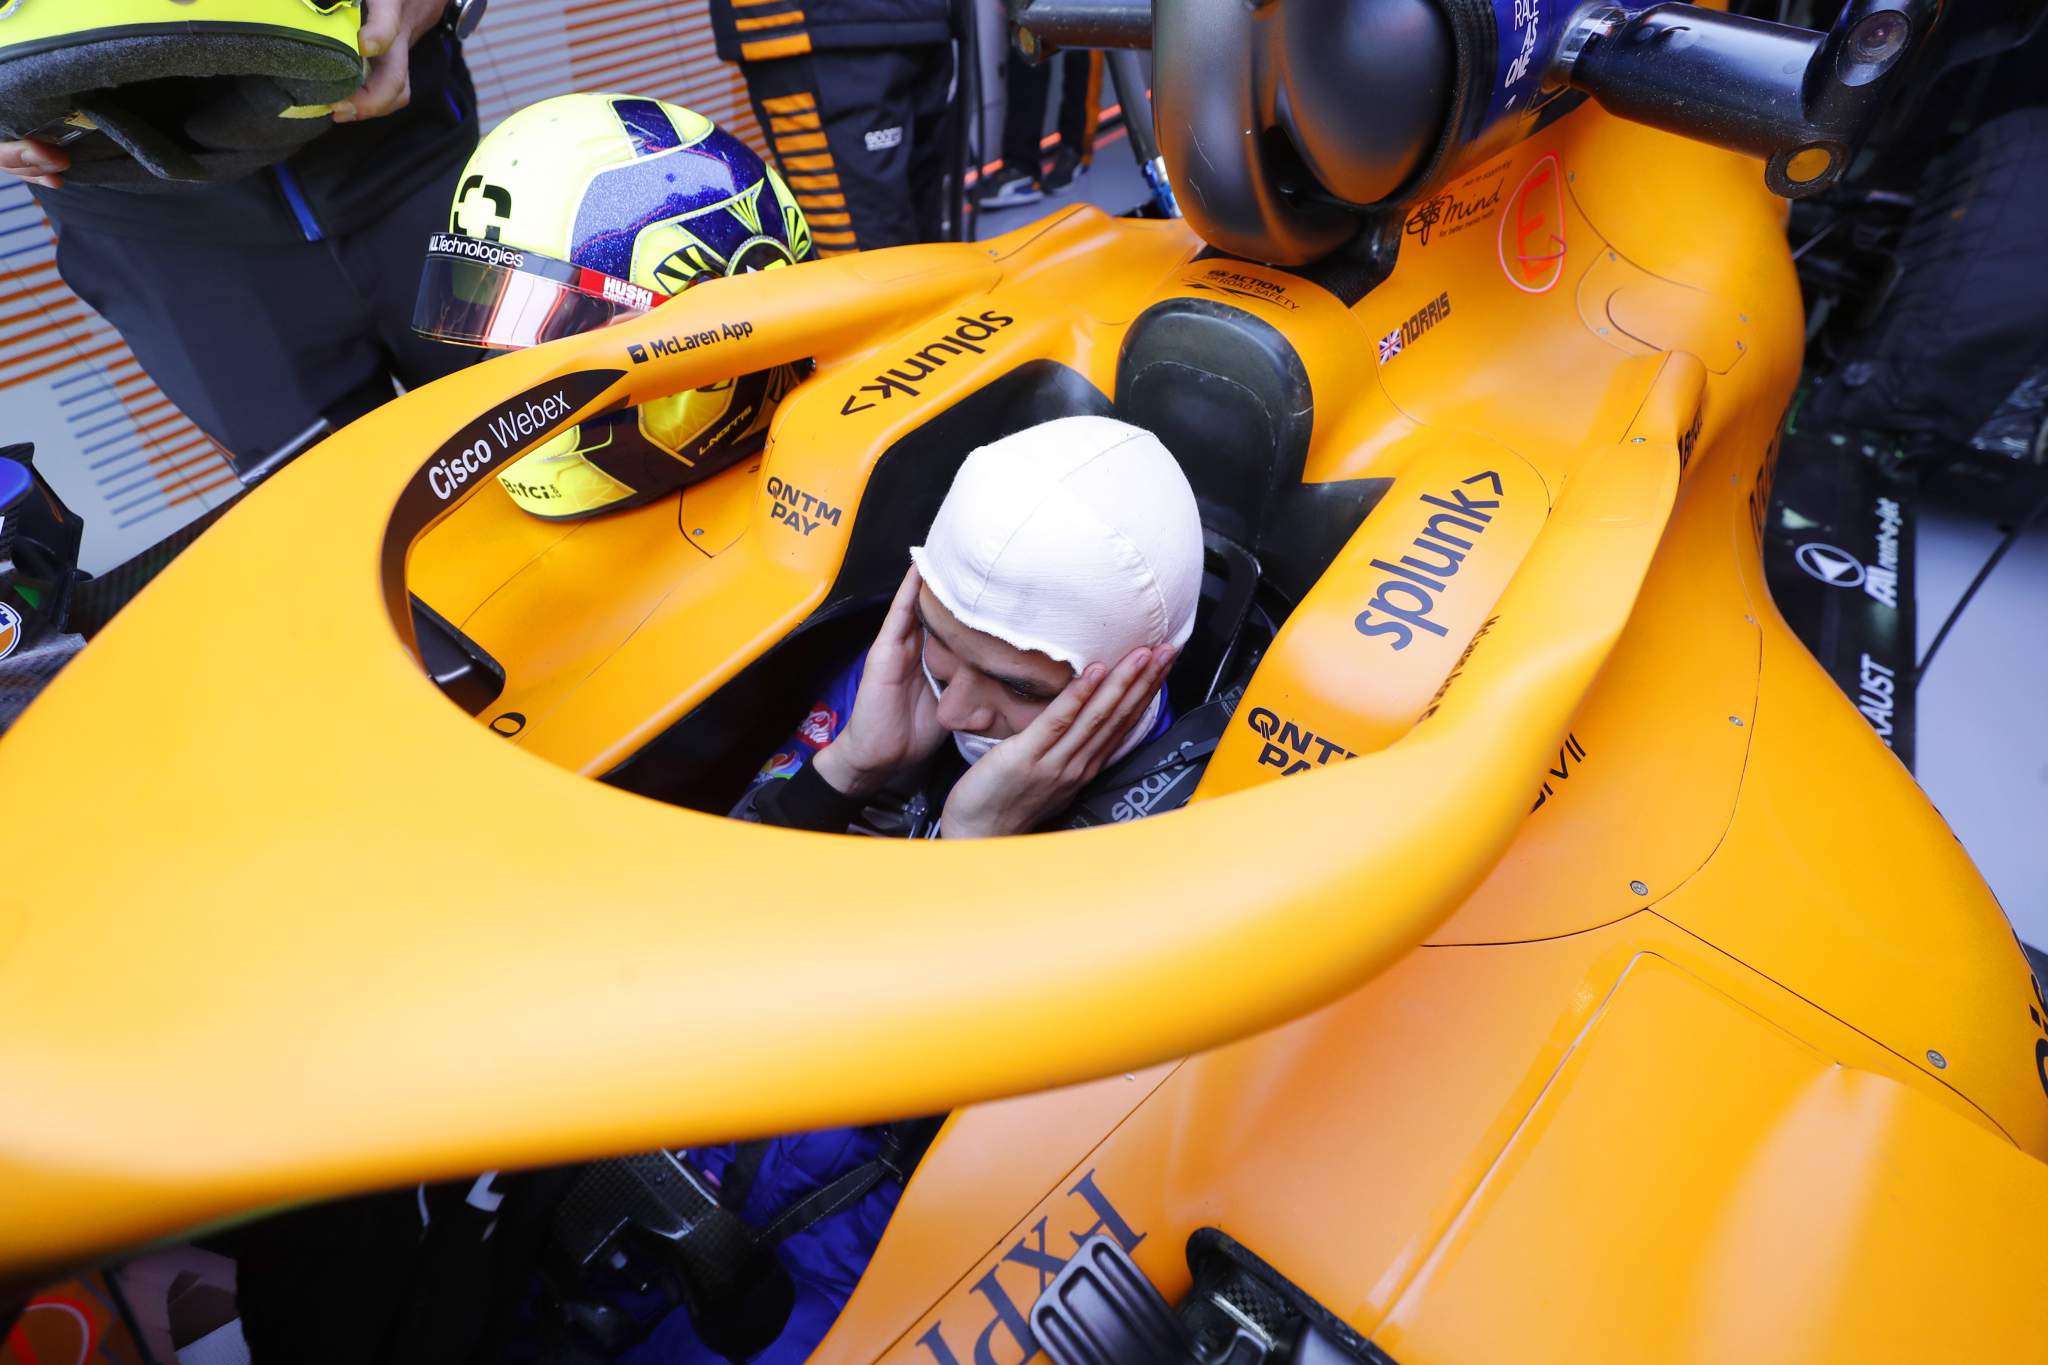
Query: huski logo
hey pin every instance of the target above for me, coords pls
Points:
(1409, 595)
(631, 295)
(919, 365)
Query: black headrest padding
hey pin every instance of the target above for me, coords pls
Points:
(1227, 394)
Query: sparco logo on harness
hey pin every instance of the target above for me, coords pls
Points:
(1408, 597)
(923, 363)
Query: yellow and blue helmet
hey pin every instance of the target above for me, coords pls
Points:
(583, 209)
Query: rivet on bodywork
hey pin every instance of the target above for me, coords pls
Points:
(1735, 720)
(1639, 888)
(1940, 1062)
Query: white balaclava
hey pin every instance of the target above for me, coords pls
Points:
(1077, 538)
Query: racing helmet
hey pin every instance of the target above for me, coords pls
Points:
(584, 209)
(146, 95)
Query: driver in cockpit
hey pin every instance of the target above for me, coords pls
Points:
(1034, 629)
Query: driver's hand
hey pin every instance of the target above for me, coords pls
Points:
(36, 162)
(390, 28)
(895, 720)
(1038, 773)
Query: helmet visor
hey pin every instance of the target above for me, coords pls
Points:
(480, 293)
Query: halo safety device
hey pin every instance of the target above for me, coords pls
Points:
(141, 94)
(584, 209)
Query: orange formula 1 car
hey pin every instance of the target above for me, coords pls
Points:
(1551, 965)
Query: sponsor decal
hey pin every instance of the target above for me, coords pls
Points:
(532, 492)
(1465, 205)
(1290, 747)
(1457, 669)
(1411, 331)
(818, 727)
(1526, 22)
(1688, 443)
(1881, 580)
(1877, 697)
(1012, 1285)
(1568, 758)
(1143, 797)
(1532, 229)
(509, 429)
(882, 139)
(1409, 594)
(1247, 287)
(617, 290)
(441, 244)
(798, 510)
(782, 765)
(964, 339)
(689, 341)
(11, 629)
(1837, 568)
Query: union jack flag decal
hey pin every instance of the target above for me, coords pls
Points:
(1390, 345)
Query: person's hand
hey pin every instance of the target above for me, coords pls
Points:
(390, 28)
(1039, 772)
(895, 720)
(36, 162)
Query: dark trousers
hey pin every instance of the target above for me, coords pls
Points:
(1024, 98)
(255, 342)
(861, 135)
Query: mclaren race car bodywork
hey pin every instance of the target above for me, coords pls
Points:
(1551, 964)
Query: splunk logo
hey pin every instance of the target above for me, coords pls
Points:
(1408, 596)
(964, 339)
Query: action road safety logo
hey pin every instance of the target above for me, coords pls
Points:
(1532, 229)
(11, 629)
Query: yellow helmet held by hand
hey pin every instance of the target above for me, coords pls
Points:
(580, 210)
(143, 94)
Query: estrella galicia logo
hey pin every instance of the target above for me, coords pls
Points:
(11, 629)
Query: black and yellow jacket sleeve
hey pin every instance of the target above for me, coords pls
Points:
(763, 30)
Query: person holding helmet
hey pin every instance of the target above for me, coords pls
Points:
(583, 209)
(241, 216)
